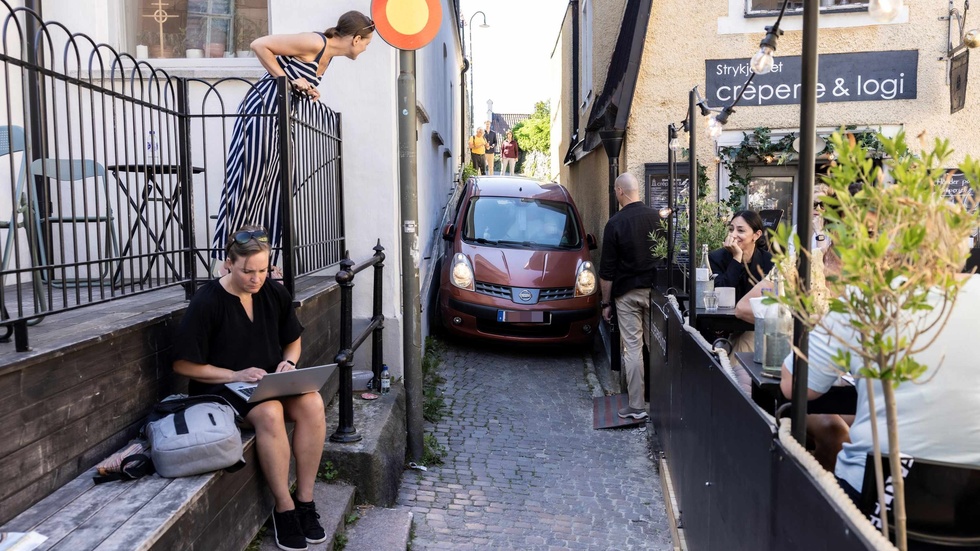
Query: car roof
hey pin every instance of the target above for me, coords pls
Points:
(515, 186)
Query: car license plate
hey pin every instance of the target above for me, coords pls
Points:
(521, 316)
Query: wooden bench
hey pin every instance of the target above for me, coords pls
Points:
(213, 511)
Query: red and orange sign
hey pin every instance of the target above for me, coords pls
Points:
(407, 24)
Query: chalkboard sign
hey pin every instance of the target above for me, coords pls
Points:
(959, 187)
(656, 180)
(770, 218)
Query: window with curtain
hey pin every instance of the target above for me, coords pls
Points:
(196, 28)
(773, 6)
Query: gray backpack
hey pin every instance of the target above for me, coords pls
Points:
(194, 435)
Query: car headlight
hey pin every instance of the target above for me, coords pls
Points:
(585, 280)
(461, 274)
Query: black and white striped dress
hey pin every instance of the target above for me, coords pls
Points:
(251, 194)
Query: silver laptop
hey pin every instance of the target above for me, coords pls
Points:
(286, 383)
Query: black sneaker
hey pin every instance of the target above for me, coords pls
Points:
(309, 521)
(288, 534)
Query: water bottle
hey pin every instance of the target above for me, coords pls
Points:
(385, 379)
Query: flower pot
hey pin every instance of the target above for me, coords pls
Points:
(194, 53)
(216, 49)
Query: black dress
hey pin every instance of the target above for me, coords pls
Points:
(729, 273)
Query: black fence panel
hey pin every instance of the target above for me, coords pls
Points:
(735, 485)
(112, 174)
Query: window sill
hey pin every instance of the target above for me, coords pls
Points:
(204, 68)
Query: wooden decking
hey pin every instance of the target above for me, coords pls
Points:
(64, 331)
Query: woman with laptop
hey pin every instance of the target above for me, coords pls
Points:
(239, 328)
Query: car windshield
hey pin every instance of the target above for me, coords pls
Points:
(516, 222)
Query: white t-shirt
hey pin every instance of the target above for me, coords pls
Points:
(938, 417)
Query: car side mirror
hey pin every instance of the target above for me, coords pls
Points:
(448, 232)
(590, 239)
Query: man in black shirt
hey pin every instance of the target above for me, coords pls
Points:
(491, 138)
(626, 274)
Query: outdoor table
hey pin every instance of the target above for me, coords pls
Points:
(153, 191)
(722, 319)
(841, 400)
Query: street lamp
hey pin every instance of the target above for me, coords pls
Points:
(483, 25)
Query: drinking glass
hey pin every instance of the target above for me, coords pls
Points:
(710, 301)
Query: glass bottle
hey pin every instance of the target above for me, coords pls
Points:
(777, 341)
(705, 282)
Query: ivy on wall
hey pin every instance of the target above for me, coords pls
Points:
(758, 148)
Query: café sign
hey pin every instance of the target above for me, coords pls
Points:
(858, 76)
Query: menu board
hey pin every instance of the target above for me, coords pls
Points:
(656, 182)
(959, 186)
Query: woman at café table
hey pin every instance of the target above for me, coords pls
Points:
(744, 258)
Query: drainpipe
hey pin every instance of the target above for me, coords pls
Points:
(573, 112)
(612, 142)
(463, 133)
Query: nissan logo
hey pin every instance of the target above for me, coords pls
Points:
(525, 295)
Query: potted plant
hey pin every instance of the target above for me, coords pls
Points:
(898, 243)
(194, 42)
(216, 46)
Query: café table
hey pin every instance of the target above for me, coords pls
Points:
(152, 191)
(766, 393)
(720, 320)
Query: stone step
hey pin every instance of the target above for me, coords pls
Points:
(378, 528)
(334, 502)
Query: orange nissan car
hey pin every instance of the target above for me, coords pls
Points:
(516, 265)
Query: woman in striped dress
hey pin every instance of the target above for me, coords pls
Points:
(251, 194)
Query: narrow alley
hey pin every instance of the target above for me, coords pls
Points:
(523, 467)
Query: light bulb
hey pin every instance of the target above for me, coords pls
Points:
(884, 11)
(762, 61)
(972, 38)
(674, 145)
(665, 212)
(714, 128)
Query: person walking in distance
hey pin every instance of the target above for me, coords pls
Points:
(626, 274)
(478, 148)
(508, 154)
(491, 138)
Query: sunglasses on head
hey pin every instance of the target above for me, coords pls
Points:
(368, 29)
(244, 237)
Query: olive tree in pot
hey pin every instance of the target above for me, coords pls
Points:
(901, 245)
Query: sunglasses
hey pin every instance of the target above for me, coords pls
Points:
(368, 29)
(244, 237)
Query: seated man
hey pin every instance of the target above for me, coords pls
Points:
(938, 418)
(238, 329)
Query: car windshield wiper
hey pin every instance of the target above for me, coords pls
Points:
(521, 243)
(483, 241)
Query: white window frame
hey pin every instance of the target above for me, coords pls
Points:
(853, 7)
(737, 22)
(585, 66)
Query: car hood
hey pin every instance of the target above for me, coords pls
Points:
(523, 267)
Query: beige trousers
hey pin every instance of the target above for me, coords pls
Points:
(633, 313)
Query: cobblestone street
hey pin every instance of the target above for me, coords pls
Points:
(523, 467)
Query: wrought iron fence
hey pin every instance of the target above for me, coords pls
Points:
(112, 174)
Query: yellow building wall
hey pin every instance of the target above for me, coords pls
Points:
(682, 34)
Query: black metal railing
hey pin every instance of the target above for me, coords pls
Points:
(349, 344)
(112, 172)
